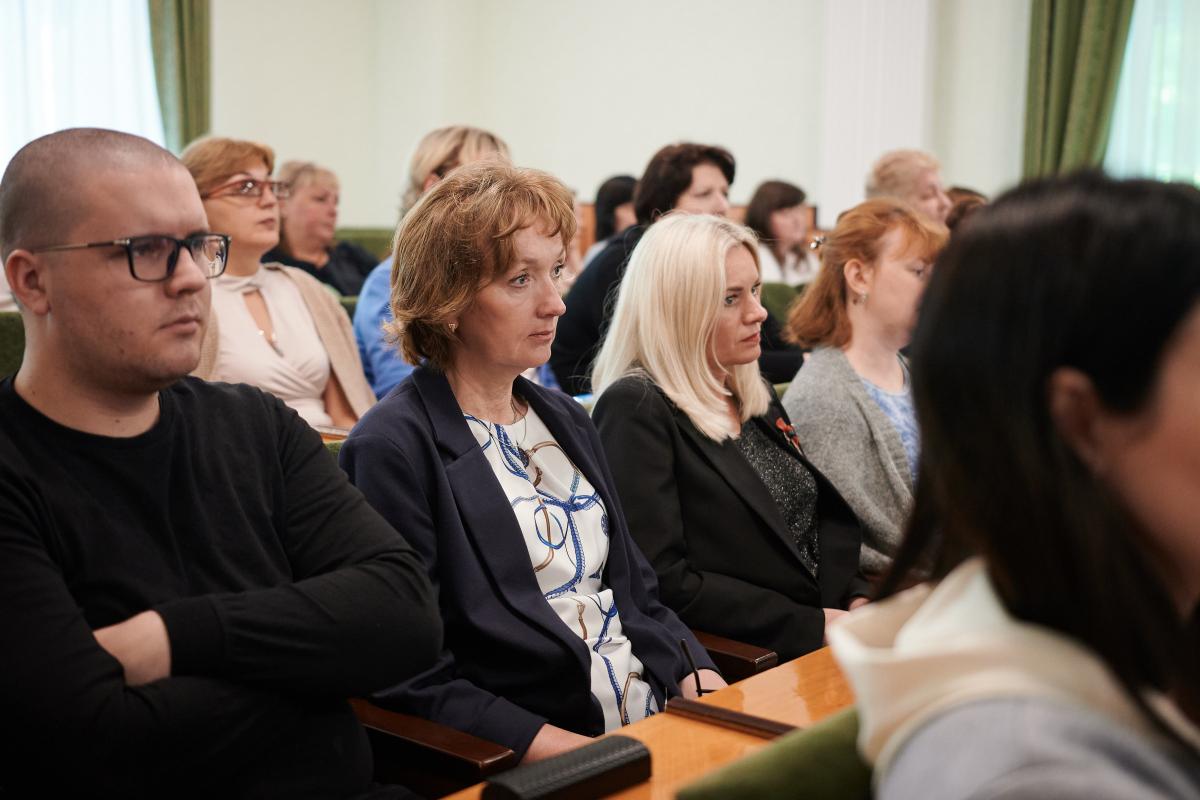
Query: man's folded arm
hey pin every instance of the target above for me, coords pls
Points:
(66, 703)
(361, 614)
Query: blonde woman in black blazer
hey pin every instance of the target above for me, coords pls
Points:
(747, 538)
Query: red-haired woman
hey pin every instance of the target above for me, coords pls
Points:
(851, 404)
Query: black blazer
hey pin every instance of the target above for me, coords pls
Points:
(725, 559)
(509, 664)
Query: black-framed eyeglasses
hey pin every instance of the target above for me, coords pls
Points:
(687, 655)
(153, 258)
(251, 187)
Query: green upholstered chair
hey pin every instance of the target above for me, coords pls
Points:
(375, 240)
(12, 342)
(777, 297)
(817, 763)
(349, 303)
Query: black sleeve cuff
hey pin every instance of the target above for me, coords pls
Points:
(195, 632)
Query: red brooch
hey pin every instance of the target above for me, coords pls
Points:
(788, 432)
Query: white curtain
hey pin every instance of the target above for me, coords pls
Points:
(1156, 123)
(73, 63)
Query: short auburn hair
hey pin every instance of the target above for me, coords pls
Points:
(213, 159)
(669, 174)
(457, 239)
(819, 318)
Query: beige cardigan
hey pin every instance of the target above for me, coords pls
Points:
(333, 328)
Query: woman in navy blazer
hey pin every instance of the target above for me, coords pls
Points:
(553, 629)
(748, 538)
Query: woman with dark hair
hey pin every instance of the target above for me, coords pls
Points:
(614, 212)
(964, 203)
(778, 215)
(689, 178)
(1056, 653)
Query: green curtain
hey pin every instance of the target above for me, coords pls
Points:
(179, 35)
(1075, 53)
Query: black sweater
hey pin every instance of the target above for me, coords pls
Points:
(348, 266)
(590, 304)
(283, 593)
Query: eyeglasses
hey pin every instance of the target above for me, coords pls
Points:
(153, 258)
(251, 187)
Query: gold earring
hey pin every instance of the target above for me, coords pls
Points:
(453, 326)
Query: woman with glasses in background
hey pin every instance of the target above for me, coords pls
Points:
(271, 326)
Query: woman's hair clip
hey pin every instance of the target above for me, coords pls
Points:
(816, 243)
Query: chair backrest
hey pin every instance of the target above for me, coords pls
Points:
(777, 298)
(12, 342)
(375, 240)
(818, 763)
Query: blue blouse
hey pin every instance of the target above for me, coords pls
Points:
(898, 407)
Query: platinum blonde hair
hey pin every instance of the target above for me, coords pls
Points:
(666, 316)
(439, 151)
(896, 172)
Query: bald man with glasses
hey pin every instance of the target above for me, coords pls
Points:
(189, 588)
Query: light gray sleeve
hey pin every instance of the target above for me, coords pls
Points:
(838, 441)
(1023, 748)
(1062, 782)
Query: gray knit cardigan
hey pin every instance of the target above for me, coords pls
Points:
(846, 436)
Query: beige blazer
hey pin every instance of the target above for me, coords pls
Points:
(333, 327)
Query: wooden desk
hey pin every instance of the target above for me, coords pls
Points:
(799, 692)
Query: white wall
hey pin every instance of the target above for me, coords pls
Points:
(588, 90)
(878, 92)
(979, 117)
(295, 74)
(594, 89)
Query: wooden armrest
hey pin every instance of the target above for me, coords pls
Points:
(736, 660)
(426, 756)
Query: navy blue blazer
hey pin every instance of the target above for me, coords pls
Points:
(509, 665)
